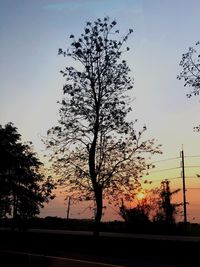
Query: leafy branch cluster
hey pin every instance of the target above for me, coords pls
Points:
(190, 64)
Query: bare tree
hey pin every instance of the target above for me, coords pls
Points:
(190, 73)
(97, 152)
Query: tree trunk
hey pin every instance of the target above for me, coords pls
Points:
(93, 174)
(99, 209)
(14, 217)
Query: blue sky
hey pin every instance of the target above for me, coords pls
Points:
(31, 32)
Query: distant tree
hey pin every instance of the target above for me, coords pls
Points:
(166, 210)
(137, 217)
(23, 188)
(190, 73)
(97, 152)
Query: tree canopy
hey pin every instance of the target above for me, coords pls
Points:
(190, 73)
(166, 210)
(23, 187)
(96, 150)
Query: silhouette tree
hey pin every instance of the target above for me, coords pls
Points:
(190, 73)
(166, 209)
(96, 150)
(137, 217)
(23, 187)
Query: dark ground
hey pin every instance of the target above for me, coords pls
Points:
(113, 250)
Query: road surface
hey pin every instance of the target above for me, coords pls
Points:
(60, 248)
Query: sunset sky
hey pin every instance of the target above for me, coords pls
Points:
(31, 32)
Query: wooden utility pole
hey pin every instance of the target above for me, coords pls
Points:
(68, 208)
(184, 190)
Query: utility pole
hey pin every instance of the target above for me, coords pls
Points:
(68, 208)
(184, 190)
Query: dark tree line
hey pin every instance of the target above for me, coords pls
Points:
(23, 186)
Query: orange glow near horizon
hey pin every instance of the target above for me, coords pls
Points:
(140, 196)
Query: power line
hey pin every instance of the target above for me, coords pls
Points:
(165, 159)
(192, 166)
(165, 170)
(189, 177)
(194, 156)
(198, 188)
(168, 159)
(172, 169)
(84, 210)
(157, 180)
(116, 211)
